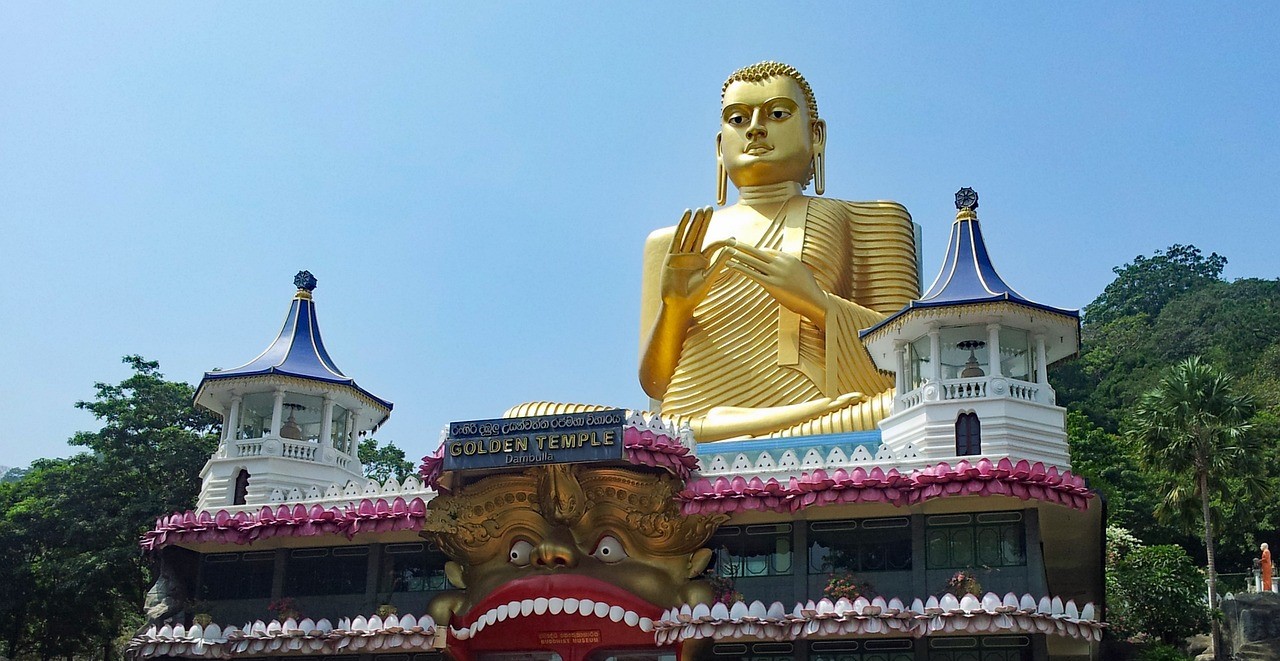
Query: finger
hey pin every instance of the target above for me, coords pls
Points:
(722, 243)
(752, 261)
(701, 221)
(759, 253)
(677, 240)
(744, 270)
(718, 265)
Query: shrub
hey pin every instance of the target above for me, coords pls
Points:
(1158, 591)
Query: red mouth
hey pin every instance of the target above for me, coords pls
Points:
(558, 601)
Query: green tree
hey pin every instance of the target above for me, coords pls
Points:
(71, 526)
(1153, 590)
(1150, 283)
(1194, 427)
(382, 462)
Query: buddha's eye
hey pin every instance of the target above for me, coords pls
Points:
(779, 113)
(737, 119)
(609, 550)
(521, 553)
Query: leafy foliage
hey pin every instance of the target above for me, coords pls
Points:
(382, 462)
(1153, 590)
(1149, 283)
(70, 527)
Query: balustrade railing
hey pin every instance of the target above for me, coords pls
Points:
(981, 387)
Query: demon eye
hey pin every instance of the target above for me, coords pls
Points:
(521, 553)
(609, 550)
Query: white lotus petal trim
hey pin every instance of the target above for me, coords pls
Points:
(989, 613)
(408, 633)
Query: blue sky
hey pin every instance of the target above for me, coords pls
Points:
(472, 186)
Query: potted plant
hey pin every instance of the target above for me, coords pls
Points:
(285, 608)
(964, 582)
(844, 585)
(723, 589)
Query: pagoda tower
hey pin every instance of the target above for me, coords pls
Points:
(972, 357)
(291, 418)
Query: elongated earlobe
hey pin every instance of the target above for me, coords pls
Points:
(722, 176)
(819, 172)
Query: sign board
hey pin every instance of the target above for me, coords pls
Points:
(535, 440)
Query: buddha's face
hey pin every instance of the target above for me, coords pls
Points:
(766, 134)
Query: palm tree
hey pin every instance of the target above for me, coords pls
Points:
(1193, 427)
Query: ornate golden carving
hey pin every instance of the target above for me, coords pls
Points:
(558, 515)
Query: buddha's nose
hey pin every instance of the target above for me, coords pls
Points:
(756, 129)
(556, 551)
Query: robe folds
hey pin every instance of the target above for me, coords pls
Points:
(743, 349)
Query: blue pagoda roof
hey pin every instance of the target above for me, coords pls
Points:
(298, 351)
(968, 276)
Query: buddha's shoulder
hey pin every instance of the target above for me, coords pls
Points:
(872, 215)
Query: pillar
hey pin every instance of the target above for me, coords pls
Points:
(277, 412)
(993, 349)
(1042, 368)
(233, 420)
(900, 351)
(935, 355)
(326, 422)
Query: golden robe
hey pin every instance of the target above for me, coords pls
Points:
(745, 350)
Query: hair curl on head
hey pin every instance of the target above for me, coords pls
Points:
(761, 71)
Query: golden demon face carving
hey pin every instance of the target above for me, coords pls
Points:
(572, 533)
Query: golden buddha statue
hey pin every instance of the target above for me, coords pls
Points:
(750, 312)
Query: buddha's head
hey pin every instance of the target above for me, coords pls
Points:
(770, 132)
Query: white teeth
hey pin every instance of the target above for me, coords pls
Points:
(602, 609)
(502, 613)
(540, 605)
(571, 605)
(526, 607)
(616, 613)
(490, 617)
(585, 607)
(555, 605)
(513, 609)
(630, 618)
(646, 625)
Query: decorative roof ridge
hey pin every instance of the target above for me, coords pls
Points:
(244, 527)
(1023, 480)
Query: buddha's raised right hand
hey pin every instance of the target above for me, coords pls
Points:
(688, 270)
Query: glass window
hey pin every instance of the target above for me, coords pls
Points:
(968, 434)
(255, 415)
(1016, 354)
(237, 575)
(964, 352)
(918, 362)
(985, 648)
(412, 568)
(754, 651)
(866, 545)
(338, 570)
(762, 550)
(890, 649)
(962, 541)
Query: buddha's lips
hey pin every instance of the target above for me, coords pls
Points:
(556, 594)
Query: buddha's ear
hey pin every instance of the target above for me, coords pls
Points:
(819, 134)
(722, 175)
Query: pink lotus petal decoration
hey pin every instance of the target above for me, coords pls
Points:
(979, 478)
(368, 515)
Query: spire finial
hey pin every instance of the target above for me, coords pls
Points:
(305, 282)
(967, 198)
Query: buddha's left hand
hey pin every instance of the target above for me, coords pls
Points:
(787, 279)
